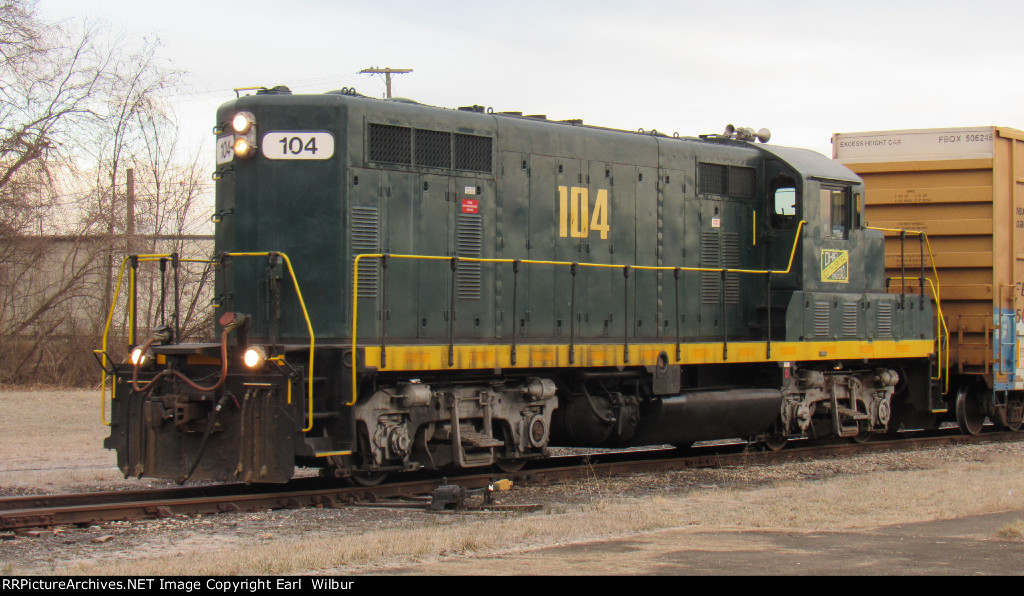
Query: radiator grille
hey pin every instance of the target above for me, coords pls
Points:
(724, 180)
(713, 179)
(390, 144)
(429, 148)
(742, 182)
(472, 153)
(433, 148)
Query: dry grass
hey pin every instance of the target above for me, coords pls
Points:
(53, 440)
(844, 502)
(1014, 531)
(393, 546)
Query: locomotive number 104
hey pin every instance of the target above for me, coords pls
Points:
(574, 219)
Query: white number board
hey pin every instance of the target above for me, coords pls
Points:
(225, 149)
(297, 145)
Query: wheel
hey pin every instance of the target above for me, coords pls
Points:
(369, 478)
(510, 466)
(1002, 422)
(969, 414)
(1009, 417)
(775, 442)
(861, 437)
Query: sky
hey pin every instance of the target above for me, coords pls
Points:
(804, 69)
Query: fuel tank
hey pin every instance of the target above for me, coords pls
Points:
(707, 415)
(678, 419)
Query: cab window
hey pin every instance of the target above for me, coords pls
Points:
(835, 212)
(783, 197)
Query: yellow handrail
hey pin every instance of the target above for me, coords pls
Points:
(355, 280)
(941, 331)
(305, 314)
(131, 323)
(936, 293)
(103, 349)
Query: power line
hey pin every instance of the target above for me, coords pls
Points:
(185, 94)
(387, 72)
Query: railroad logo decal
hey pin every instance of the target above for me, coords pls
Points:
(574, 216)
(835, 266)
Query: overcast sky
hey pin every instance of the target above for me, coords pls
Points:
(803, 69)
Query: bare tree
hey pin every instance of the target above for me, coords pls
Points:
(78, 107)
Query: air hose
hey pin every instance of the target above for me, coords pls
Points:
(206, 435)
(230, 324)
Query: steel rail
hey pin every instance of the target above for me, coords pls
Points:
(51, 510)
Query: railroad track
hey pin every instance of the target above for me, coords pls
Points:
(88, 508)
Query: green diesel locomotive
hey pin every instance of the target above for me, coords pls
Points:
(402, 286)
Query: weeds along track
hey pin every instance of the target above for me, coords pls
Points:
(416, 490)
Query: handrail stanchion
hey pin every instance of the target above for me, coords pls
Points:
(903, 270)
(383, 310)
(451, 317)
(175, 261)
(768, 300)
(572, 314)
(679, 344)
(725, 320)
(625, 314)
(515, 294)
(921, 277)
(132, 303)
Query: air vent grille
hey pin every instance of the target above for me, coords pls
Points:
(468, 243)
(365, 235)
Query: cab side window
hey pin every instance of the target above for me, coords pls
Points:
(835, 212)
(783, 197)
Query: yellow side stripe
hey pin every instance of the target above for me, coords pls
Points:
(435, 357)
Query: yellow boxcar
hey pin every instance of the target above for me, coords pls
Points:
(963, 188)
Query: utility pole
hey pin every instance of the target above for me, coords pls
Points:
(387, 72)
(130, 199)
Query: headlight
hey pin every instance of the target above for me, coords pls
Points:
(242, 122)
(254, 357)
(243, 148)
(141, 359)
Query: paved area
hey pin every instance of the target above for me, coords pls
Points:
(966, 546)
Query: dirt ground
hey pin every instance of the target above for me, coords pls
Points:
(934, 511)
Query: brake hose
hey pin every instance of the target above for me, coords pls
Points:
(180, 375)
(206, 435)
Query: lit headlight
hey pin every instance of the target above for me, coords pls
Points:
(254, 357)
(242, 122)
(141, 359)
(243, 148)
